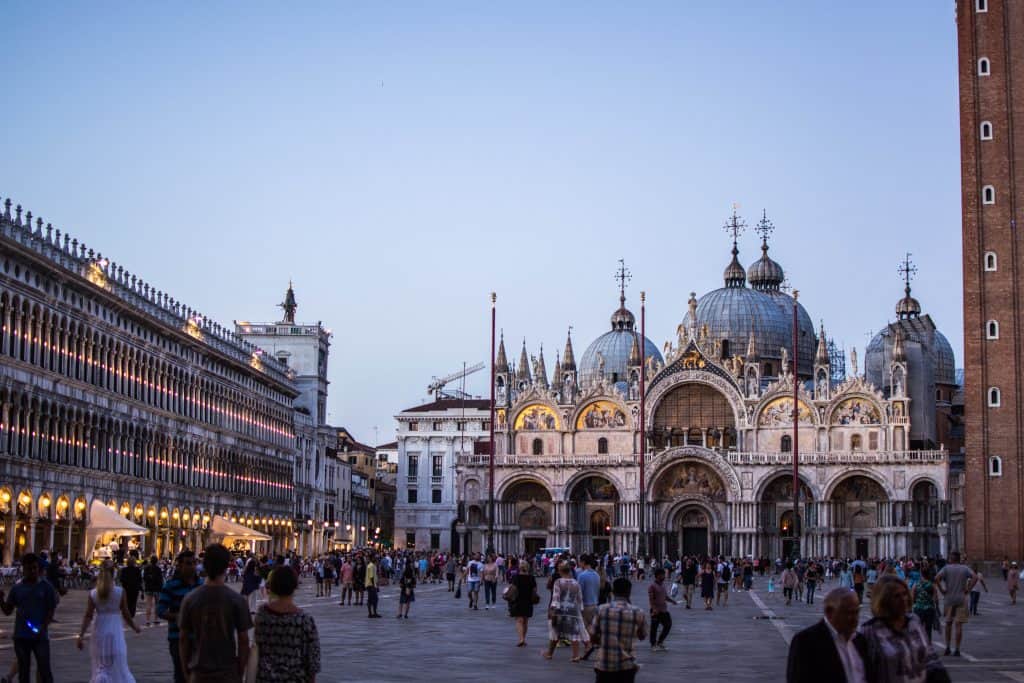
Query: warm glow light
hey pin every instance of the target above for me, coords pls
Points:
(24, 499)
(151, 513)
(79, 505)
(45, 501)
(5, 496)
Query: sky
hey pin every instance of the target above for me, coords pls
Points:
(399, 162)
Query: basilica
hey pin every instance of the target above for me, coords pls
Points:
(718, 411)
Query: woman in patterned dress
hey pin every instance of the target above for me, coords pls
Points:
(287, 641)
(565, 613)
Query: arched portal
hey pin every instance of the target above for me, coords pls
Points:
(694, 413)
(592, 498)
(692, 528)
(859, 508)
(777, 519)
(926, 513)
(527, 506)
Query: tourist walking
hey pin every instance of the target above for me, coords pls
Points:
(1013, 582)
(521, 595)
(789, 580)
(565, 613)
(615, 630)
(975, 596)
(182, 582)
(287, 641)
(371, 589)
(449, 572)
(359, 579)
(811, 578)
(35, 601)
(347, 581)
(251, 581)
(215, 622)
(407, 586)
(131, 581)
(689, 574)
(659, 599)
(474, 569)
(831, 650)
(896, 649)
(954, 581)
(707, 584)
(152, 582)
(489, 577)
(926, 601)
(724, 577)
(590, 586)
(108, 653)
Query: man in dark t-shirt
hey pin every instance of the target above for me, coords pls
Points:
(689, 580)
(211, 618)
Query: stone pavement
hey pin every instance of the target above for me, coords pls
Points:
(445, 640)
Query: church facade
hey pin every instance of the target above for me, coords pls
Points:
(719, 412)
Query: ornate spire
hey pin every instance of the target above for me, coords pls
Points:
(765, 274)
(501, 364)
(899, 354)
(540, 374)
(523, 371)
(568, 358)
(634, 352)
(289, 305)
(908, 306)
(734, 275)
(821, 356)
(556, 376)
(752, 348)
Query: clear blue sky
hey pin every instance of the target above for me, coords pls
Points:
(401, 162)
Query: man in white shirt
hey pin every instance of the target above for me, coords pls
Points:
(829, 650)
(474, 571)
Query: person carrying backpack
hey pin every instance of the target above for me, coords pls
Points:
(724, 576)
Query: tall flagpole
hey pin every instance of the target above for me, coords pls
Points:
(642, 550)
(490, 484)
(796, 430)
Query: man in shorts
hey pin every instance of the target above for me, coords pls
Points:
(689, 580)
(955, 581)
(474, 570)
(724, 572)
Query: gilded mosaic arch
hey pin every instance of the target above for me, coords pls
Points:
(537, 417)
(778, 412)
(856, 410)
(676, 378)
(724, 471)
(689, 477)
(602, 414)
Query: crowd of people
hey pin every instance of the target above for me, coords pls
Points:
(256, 632)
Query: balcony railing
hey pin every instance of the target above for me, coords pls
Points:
(732, 457)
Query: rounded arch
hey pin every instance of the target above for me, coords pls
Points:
(517, 486)
(592, 485)
(850, 475)
(916, 483)
(723, 386)
(696, 454)
(784, 474)
(672, 512)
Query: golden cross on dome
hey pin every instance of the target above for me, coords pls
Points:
(907, 270)
(623, 276)
(735, 225)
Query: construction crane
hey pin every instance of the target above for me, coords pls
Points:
(436, 388)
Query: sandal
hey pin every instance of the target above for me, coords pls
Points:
(546, 654)
(575, 660)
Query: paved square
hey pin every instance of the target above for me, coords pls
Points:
(443, 640)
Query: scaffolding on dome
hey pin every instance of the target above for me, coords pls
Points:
(837, 361)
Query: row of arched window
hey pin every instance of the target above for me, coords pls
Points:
(58, 434)
(59, 343)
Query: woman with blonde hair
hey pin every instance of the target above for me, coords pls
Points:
(896, 647)
(107, 649)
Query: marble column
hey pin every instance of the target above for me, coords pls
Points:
(12, 537)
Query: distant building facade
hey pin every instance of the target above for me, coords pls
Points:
(431, 438)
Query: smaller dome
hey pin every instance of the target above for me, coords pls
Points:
(623, 319)
(734, 275)
(908, 307)
(765, 274)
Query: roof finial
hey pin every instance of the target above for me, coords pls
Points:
(908, 306)
(735, 276)
(623, 276)
(764, 228)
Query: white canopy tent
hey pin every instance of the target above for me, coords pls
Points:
(106, 524)
(223, 529)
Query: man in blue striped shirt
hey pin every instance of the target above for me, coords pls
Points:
(182, 582)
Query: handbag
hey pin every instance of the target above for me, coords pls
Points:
(535, 598)
(511, 593)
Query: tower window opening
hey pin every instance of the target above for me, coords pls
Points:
(995, 466)
(994, 397)
(984, 67)
(981, 5)
(602, 446)
(988, 195)
(990, 261)
(538, 447)
(986, 130)
(992, 329)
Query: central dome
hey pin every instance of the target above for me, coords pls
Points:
(733, 313)
(614, 348)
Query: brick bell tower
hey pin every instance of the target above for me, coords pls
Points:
(991, 73)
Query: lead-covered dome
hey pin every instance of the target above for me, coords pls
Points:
(613, 349)
(733, 313)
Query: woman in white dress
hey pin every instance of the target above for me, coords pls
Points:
(107, 649)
